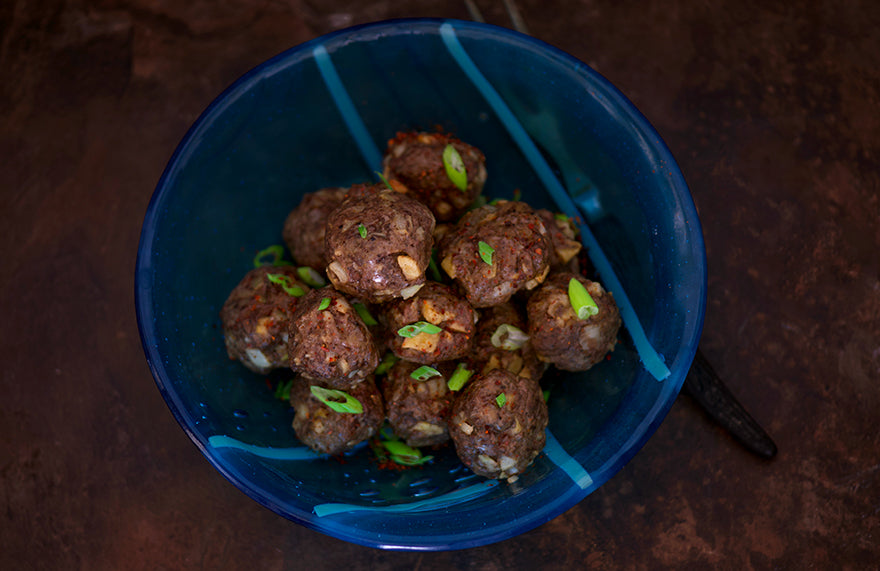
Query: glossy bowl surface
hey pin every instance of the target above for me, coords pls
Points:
(319, 115)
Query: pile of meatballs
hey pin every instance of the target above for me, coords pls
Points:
(420, 270)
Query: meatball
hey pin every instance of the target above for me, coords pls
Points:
(417, 410)
(416, 160)
(558, 335)
(563, 242)
(378, 244)
(496, 250)
(303, 230)
(329, 341)
(256, 314)
(330, 432)
(505, 348)
(498, 423)
(436, 304)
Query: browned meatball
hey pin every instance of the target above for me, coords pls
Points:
(256, 314)
(496, 250)
(379, 244)
(329, 341)
(505, 348)
(417, 410)
(439, 305)
(498, 424)
(416, 160)
(558, 335)
(330, 432)
(563, 240)
(303, 230)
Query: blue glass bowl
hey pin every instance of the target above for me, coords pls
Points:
(319, 115)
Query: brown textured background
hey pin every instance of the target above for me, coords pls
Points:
(773, 113)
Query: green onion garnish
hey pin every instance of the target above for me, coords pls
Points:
(364, 314)
(508, 337)
(478, 202)
(560, 216)
(406, 455)
(458, 378)
(282, 391)
(424, 373)
(433, 268)
(517, 194)
(387, 362)
(325, 303)
(414, 329)
(331, 397)
(275, 251)
(362, 230)
(385, 180)
(455, 167)
(486, 252)
(310, 276)
(581, 302)
(500, 399)
(287, 284)
(546, 395)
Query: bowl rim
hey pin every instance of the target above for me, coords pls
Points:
(644, 430)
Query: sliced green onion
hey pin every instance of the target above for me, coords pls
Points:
(310, 276)
(478, 202)
(276, 252)
(459, 378)
(500, 399)
(581, 302)
(385, 180)
(560, 216)
(287, 284)
(414, 329)
(517, 194)
(406, 455)
(424, 373)
(508, 337)
(546, 395)
(365, 314)
(362, 230)
(433, 268)
(455, 167)
(282, 391)
(331, 397)
(486, 252)
(387, 362)
(387, 432)
(325, 303)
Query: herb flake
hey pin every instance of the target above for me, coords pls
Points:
(581, 301)
(454, 166)
(414, 329)
(338, 401)
(424, 373)
(486, 251)
(459, 378)
(287, 284)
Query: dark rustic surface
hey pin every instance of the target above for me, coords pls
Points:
(774, 116)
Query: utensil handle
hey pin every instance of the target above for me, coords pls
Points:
(706, 387)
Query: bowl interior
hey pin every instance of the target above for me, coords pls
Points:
(278, 133)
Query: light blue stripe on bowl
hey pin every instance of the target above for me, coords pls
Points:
(650, 359)
(346, 107)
